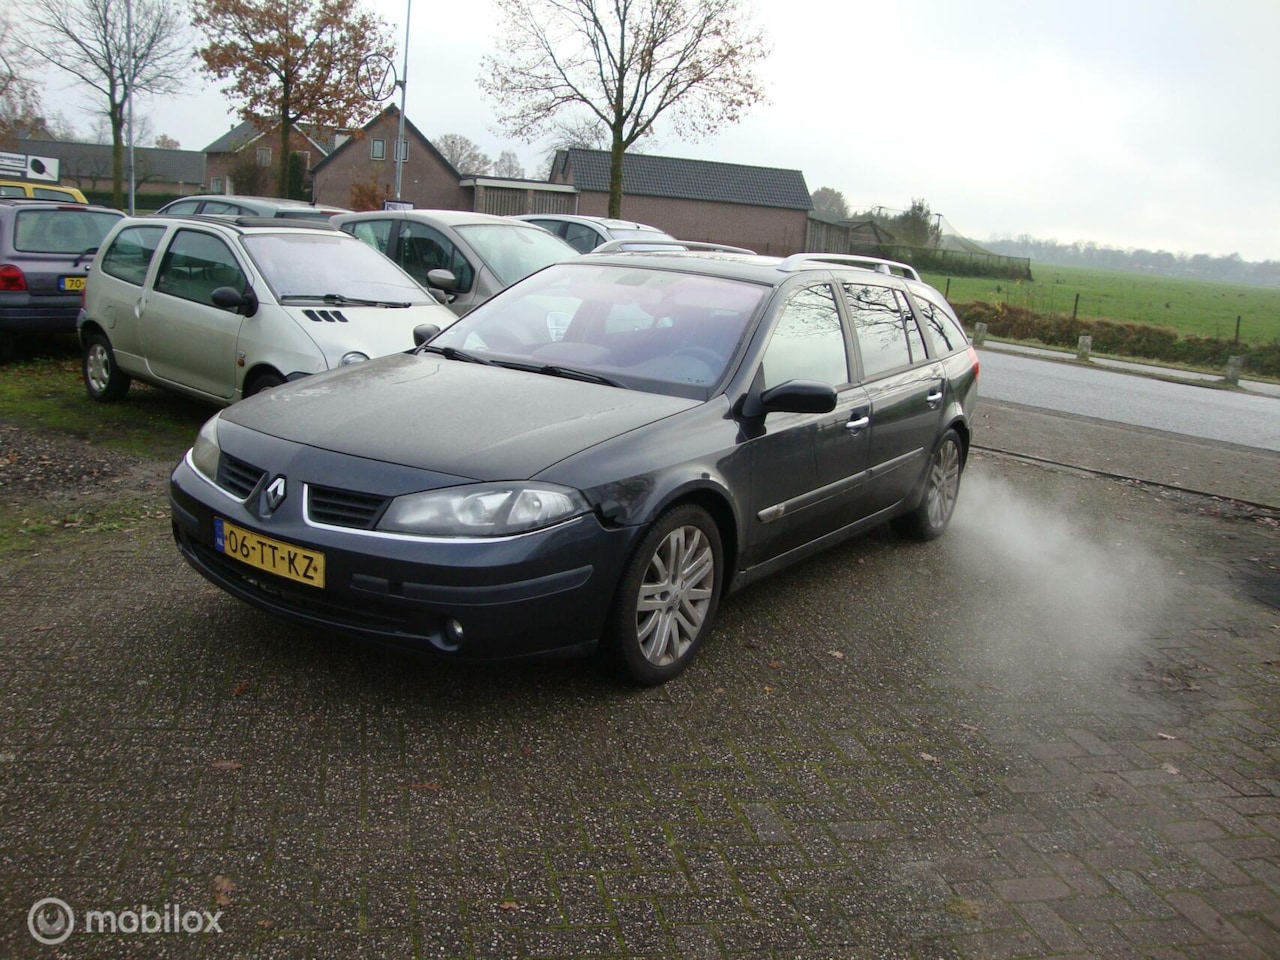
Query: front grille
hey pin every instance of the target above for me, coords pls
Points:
(237, 477)
(344, 508)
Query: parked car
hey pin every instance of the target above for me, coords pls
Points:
(46, 249)
(38, 190)
(483, 253)
(223, 308)
(231, 205)
(627, 437)
(584, 234)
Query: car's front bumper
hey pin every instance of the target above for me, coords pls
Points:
(510, 597)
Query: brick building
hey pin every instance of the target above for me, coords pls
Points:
(764, 208)
(367, 160)
(246, 143)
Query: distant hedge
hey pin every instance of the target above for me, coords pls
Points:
(1123, 339)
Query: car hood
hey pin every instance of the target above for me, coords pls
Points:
(373, 331)
(451, 416)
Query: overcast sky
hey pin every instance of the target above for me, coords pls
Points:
(1133, 123)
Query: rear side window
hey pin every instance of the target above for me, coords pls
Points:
(948, 335)
(61, 230)
(183, 206)
(195, 265)
(130, 253)
(878, 314)
(8, 190)
(582, 238)
(48, 193)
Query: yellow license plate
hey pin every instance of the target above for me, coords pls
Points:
(72, 283)
(275, 556)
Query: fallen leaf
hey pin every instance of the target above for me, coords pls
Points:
(929, 757)
(776, 664)
(1166, 736)
(1169, 768)
(768, 689)
(41, 629)
(266, 924)
(838, 654)
(241, 687)
(226, 765)
(223, 887)
(510, 906)
(969, 726)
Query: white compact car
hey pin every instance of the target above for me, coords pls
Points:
(221, 308)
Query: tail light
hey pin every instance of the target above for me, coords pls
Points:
(973, 355)
(12, 278)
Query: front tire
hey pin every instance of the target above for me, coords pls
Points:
(667, 597)
(941, 488)
(102, 377)
(263, 381)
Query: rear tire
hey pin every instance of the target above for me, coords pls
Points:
(102, 377)
(929, 520)
(667, 597)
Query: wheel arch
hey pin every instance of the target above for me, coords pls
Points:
(716, 502)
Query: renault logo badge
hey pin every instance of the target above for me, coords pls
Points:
(276, 493)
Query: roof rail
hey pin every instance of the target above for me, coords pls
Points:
(646, 245)
(878, 264)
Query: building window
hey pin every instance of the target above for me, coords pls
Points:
(264, 156)
(402, 150)
(378, 149)
(215, 185)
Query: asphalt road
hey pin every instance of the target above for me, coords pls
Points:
(1242, 418)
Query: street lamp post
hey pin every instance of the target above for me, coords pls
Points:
(128, 91)
(402, 148)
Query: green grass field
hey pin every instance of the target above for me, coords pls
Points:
(1193, 307)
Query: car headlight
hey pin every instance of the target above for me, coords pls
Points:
(355, 356)
(205, 451)
(482, 510)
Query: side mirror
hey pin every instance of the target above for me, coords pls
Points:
(799, 396)
(423, 333)
(442, 279)
(229, 298)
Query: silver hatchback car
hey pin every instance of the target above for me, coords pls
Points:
(221, 308)
(482, 253)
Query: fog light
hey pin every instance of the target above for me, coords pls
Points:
(454, 629)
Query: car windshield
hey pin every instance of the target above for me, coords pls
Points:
(653, 329)
(302, 266)
(513, 252)
(69, 230)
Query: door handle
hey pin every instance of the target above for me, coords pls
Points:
(934, 399)
(854, 426)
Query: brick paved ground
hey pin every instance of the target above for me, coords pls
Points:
(1055, 732)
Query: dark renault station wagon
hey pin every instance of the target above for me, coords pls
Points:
(592, 458)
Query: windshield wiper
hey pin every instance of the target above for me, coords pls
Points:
(342, 300)
(453, 353)
(569, 373)
(87, 253)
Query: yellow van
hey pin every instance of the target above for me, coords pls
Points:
(26, 189)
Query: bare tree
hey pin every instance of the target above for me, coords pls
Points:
(465, 156)
(19, 97)
(586, 133)
(90, 39)
(509, 165)
(628, 63)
